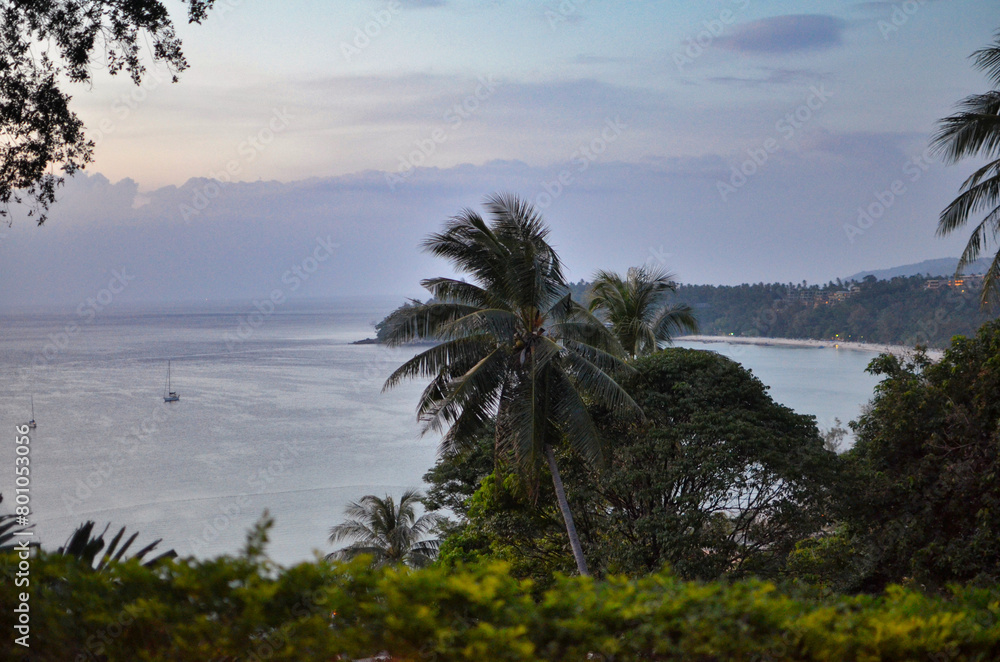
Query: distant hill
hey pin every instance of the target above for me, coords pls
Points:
(941, 267)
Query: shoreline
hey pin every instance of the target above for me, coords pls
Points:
(878, 348)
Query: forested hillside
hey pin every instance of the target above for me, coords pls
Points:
(898, 311)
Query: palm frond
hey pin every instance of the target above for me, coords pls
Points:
(606, 361)
(674, 319)
(991, 284)
(84, 546)
(388, 531)
(522, 422)
(599, 385)
(987, 59)
(571, 415)
(980, 191)
(440, 359)
(634, 307)
(351, 529)
(973, 130)
(9, 528)
(500, 325)
(422, 321)
(457, 291)
(478, 389)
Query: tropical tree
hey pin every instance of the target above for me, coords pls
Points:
(515, 348)
(974, 131)
(389, 533)
(43, 45)
(635, 308)
(86, 547)
(923, 495)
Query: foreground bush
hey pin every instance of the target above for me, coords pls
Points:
(238, 608)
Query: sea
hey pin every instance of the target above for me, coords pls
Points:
(279, 412)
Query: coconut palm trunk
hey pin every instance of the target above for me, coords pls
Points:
(574, 539)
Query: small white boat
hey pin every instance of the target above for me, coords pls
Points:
(168, 395)
(31, 424)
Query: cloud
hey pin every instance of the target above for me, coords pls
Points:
(422, 4)
(787, 34)
(784, 222)
(772, 76)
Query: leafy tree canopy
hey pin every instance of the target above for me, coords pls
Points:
(720, 481)
(926, 497)
(44, 43)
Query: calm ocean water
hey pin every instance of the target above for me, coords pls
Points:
(277, 411)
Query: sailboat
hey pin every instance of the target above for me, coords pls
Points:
(168, 395)
(31, 423)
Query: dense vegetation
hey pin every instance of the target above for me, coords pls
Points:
(921, 500)
(516, 354)
(901, 311)
(718, 481)
(241, 608)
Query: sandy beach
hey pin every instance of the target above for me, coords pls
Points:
(897, 350)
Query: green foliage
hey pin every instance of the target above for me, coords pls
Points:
(230, 608)
(900, 311)
(924, 498)
(516, 352)
(387, 532)
(720, 481)
(504, 524)
(636, 308)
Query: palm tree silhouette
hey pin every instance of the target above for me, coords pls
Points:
(390, 533)
(515, 347)
(635, 308)
(975, 131)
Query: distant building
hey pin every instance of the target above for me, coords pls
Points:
(973, 281)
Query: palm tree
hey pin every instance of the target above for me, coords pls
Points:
(634, 306)
(83, 545)
(975, 131)
(390, 534)
(515, 347)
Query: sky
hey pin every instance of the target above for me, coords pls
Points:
(311, 145)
